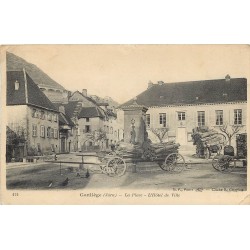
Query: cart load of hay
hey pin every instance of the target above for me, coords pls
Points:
(203, 137)
(147, 151)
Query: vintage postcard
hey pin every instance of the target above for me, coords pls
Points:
(124, 124)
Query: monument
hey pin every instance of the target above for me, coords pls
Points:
(134, 123)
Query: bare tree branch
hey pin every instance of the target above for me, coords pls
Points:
(230, 133)
(160, 133)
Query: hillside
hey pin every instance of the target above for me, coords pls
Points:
(15, 63)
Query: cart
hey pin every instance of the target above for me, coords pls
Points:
(227, 163)
(115, 164)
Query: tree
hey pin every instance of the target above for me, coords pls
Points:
(160, 133)
(15, 136)
(97, 135)
(230, 132)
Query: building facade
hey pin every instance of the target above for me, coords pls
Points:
(97, 124)
(181, 107)
(31, 114)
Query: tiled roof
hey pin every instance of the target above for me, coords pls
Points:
(195, 92)
(64, 119)
(90, 112)
(109, 112)
(16, 63)
(28, 92)
(72, 108)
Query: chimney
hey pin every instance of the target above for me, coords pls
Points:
(62, 109)
(150, 84)
(16, 85)
(84, 92)
(227, 77)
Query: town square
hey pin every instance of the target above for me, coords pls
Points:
(186, 132)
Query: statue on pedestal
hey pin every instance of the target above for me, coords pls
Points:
(132, 133)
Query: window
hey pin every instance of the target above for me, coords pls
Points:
(49, 116)
(87, 119)
(42, 115)
(237, 116)
(55, 133)
(42, 131)
(87, 128)
(55, 118)
(51, 133)
(181, 116)
(48, 132)
(35, 113)
(219, 117)
(201, 118)
(34, 130)
(115, 133)
(111, 130)
(148, 120)
(163, 119)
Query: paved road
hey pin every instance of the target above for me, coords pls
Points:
(148, 176)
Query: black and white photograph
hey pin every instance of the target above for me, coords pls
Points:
(153, 120)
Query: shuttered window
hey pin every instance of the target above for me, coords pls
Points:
(42, 131)
(55, 133)
(34, 130)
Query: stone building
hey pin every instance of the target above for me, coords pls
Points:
(182, 106)
(93, 119)
(32, 114)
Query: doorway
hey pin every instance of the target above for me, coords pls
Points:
(62, 145)
(182, 136)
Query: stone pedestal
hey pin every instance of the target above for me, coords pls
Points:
(134, 123)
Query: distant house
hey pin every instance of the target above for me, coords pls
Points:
(182, 106)
(67, 133)
(94, 119)
(31, 114)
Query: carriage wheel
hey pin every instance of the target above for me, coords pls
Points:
(223, 163)
(174, 163)
(116, 166)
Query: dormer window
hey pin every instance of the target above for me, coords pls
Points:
(16, 85)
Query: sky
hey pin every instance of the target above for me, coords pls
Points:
(123, 71)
